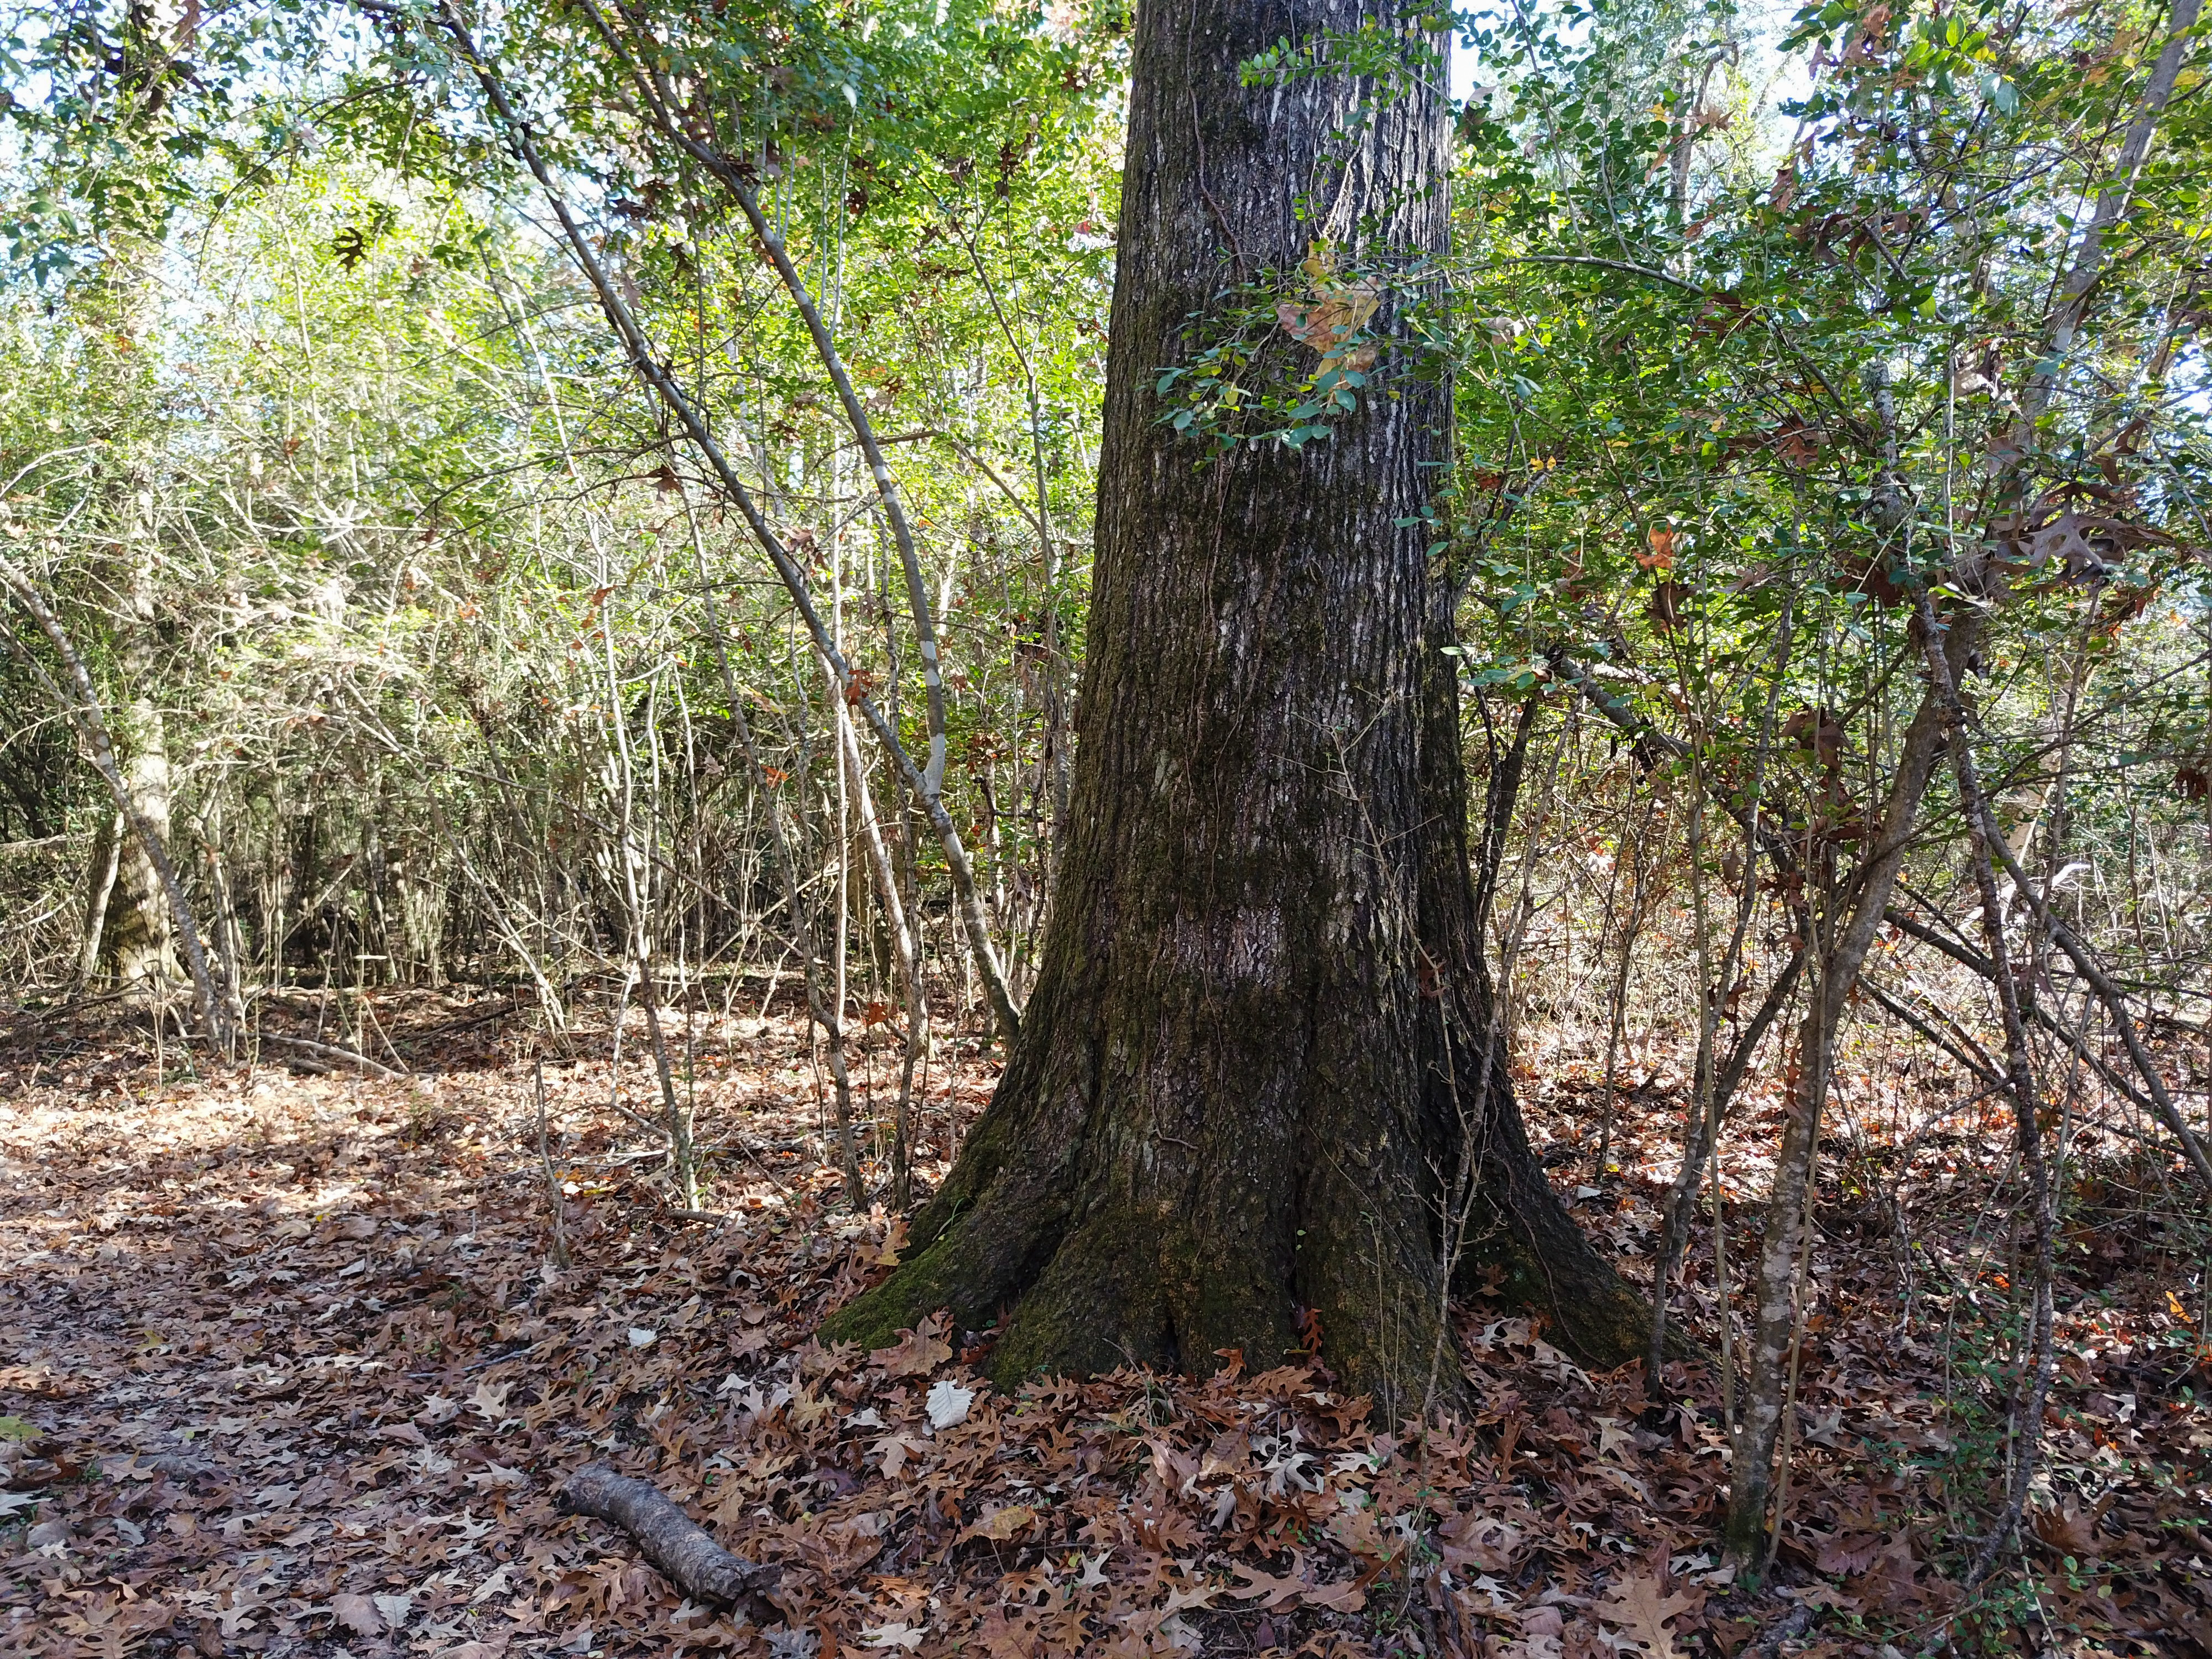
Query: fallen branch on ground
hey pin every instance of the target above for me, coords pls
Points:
(672, 1541)
(330, 1052)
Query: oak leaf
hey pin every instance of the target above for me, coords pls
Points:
(948, 1403)
(2070, 1531)
(1000, 1525)
(357, 1614)
(1641, 1608)
(918, 1351)
(895, 1449)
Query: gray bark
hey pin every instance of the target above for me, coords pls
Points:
(1837, 961)
(98, 889)
(686, 1555)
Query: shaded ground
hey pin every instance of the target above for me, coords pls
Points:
(287, 1371)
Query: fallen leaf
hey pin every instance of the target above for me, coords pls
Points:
(896, 1450)
(357, 1614)
(1640, 1606)
(948, 1403)
(2070, 1531)
(1541, 1621)
(918, 1351)
(1000, 1525)
(489, 1402)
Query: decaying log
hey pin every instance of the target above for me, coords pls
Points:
(687, 1557)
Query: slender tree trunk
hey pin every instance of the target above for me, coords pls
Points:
(820, 1013)
(1470, 1121)
(1640, 854)
(903, 947)
(139, 928)
(674, 1109)
(1839, 958)
(2032, 1387)
(1710, 1098)
(99, 890)
(1710, 1094)
(1232, 1104)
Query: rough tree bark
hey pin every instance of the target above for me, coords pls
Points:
(1262, 1018)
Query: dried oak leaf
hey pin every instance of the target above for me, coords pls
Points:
(1001, 1525)
(1641, 1607)
(896, 1450)
(1296, 1588)
(2070, 1531)
(918, 1351)
(357, 1614)
(1844, 1553)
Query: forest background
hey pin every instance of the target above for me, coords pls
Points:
(384, 627)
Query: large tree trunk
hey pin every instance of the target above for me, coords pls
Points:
(1240, 1082)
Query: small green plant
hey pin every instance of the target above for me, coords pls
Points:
(1243, 386)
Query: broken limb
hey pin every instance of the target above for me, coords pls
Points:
(686, 1554)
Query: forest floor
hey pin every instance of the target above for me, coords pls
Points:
(286, 1370)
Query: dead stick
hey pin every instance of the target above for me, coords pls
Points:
(672, 1541)
(333, 1052)
(545, 1159)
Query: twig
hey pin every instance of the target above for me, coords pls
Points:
(506, 1005)
(1981, 1069)
(545, 1159)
